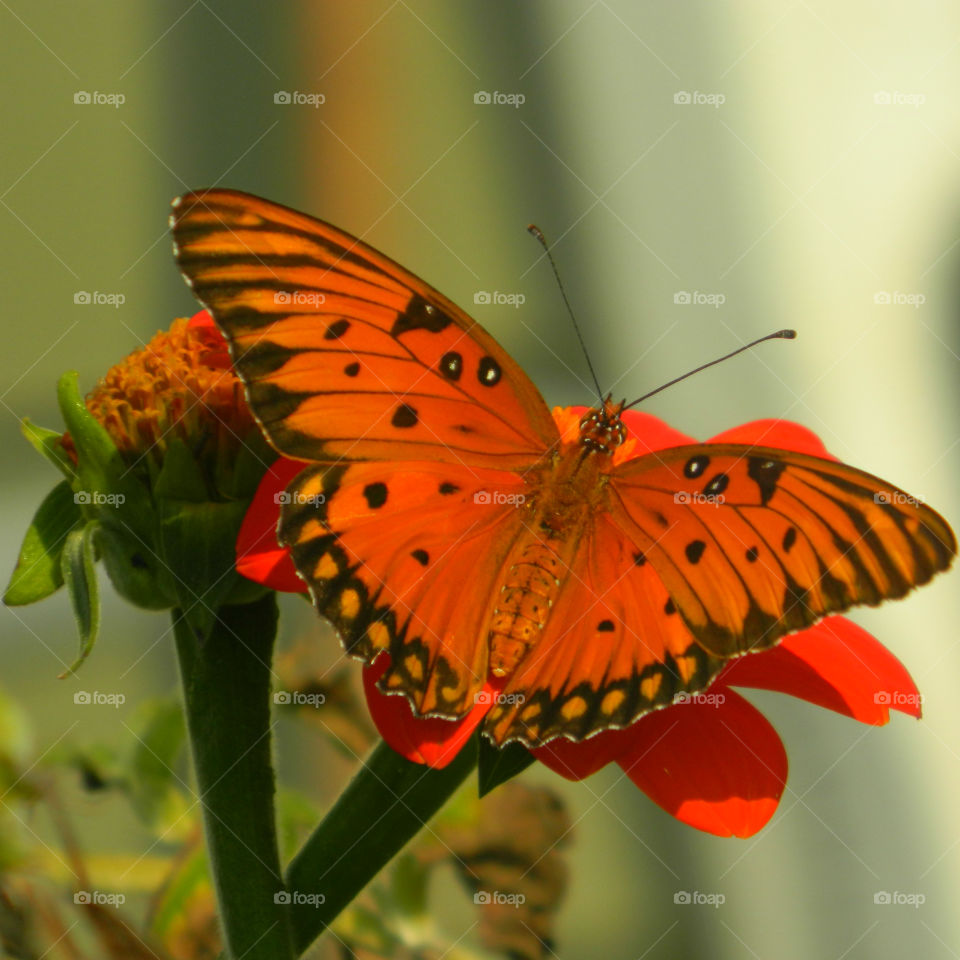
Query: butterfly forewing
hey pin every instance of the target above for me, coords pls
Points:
(345, 354)
(754, 543)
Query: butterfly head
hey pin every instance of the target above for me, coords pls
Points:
(601, 429)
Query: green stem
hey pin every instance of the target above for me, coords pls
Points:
(226, 686)
(382, 808)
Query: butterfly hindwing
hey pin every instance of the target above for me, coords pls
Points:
(345, 354)
(754, 543)
(614, 649)
(403, 558)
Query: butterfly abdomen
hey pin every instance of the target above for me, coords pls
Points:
(528, 592)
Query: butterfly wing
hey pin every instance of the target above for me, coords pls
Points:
(613, 649)
(403, 558)
(753, 543)
(345, 354)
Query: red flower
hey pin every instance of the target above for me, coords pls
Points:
(712, 761)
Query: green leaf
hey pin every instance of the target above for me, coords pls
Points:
(38, 573)
(497, 765)
(47, 444)
(155, 789)
(80, 577)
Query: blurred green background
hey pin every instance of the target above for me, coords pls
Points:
(822, 193)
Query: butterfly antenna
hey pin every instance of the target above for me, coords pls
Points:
(538, 233)
(779, 335)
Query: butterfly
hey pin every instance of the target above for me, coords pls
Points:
(443, 519)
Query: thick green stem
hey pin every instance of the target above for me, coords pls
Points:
(382, 808)
(226, 685)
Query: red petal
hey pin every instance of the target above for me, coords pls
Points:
(259, 556)
(202, 321)
(784, 434)
(577, 761)
(652, 433)
(718, 766)
(428, 740)
(835, 664)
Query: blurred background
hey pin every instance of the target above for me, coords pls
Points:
(706, 173)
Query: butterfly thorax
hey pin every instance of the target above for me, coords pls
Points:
(562, 498)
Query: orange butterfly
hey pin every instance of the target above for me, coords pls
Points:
(443, 518)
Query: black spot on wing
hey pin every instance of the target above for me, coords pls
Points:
(766, 474)
(375, 494)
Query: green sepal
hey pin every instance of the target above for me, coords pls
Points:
(80, 577)
(37, 573)
(198, 545)
(47, 444)
(105, 484)
(135, 568)
(496, 765)
(180, 477)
